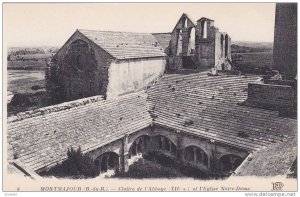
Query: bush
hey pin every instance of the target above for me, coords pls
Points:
(20, 100)
(36, 87)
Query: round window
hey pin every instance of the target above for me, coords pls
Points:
(80, 62)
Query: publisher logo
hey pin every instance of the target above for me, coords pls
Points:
(277, 186)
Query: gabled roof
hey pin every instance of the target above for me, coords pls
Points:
(207, 106)
(126, 45)
(42, 138)
(163, 39)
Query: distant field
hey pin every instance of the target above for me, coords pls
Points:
(258, 60)
(35, 56)
(26, 65)
(21, 82)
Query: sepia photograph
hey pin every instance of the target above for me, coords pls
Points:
(149, 97)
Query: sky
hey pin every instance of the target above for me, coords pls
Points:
(51, 24)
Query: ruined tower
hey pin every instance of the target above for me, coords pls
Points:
(285, 40)
(198, 45)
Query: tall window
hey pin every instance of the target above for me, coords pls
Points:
(192, 34)
(179, 42)
(204, 29)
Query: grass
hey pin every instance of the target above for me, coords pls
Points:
(24, 86)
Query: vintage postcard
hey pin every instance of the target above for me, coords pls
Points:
(198, 97)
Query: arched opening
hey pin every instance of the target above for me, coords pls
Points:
(140, 146)
(164, 144)
(226, 46)
(229, 163)
(222, 45)
(192, 35)
(179, 42)
(108, 162)
(185, 22)
(204, 29)
(195, 155)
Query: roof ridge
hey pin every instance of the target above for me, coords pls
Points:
(67, 105)
(113, 31)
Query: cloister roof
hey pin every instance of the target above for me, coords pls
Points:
(198, 104)
(208, 106)
(42, 138)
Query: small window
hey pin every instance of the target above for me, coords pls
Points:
(80, 62)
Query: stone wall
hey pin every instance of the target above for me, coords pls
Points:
(134, 74)
(208, 52)
(82, 68)
(205, 45)
(274, 96)
(221, 60)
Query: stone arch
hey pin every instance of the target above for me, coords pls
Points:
(107, 161)
(196, 155)
(163, 143)
(140, 145)
(179, 42)
(229, 162)
(226, 46)
(192, 41)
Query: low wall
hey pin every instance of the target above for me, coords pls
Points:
(270, 95)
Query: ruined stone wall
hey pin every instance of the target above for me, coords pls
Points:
(208, 51)
(134, 74)
(82, 68)
(285, 40)
(221, 59)
(205, 45)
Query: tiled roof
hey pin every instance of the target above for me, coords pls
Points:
(198, 104)
(126, 45)
(39, 141)
(163, 39)
(207, 106)
(274, 160)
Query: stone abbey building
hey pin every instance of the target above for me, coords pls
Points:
(219, 124)
(115, 63)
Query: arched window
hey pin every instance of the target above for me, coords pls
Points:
(196, 155)
(179, 42)
(192, 34)
(204, 29)
(230, 162)
(185, 22)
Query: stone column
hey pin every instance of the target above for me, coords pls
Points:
(124, 155)
(180, 151)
